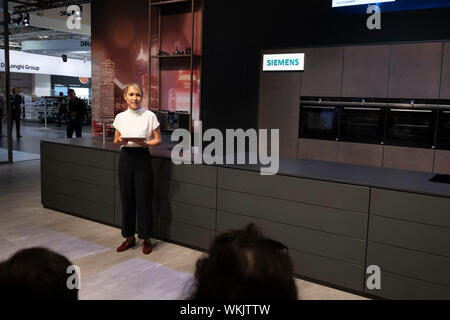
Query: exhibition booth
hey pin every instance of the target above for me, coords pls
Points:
(364, 165)
(39, 79)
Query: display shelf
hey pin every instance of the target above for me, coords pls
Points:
(172, 56)
(161, 3)
(175, 79)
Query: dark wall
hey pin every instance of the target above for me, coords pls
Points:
(236, 32)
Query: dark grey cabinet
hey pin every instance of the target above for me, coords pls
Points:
(333, 230)
(323, 72)
(279, 93)
(409, 239)
(445, 83)
(415, 70)
(366, 71)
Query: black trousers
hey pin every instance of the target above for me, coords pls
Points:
(16, 118)
(74, 125)
(136, 191)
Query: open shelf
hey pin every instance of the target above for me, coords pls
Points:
(161, 3)
(172, 56)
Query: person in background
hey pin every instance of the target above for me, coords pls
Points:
(75, 114)
(16, 102)
(37, 274)
(2, 111)
(61, 108)
(244, 265)
(136, 129)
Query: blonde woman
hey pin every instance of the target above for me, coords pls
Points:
(137, 129)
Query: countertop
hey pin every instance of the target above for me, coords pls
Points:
(386, 178)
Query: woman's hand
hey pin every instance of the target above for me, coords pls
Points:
(122, 142)
(118, 139)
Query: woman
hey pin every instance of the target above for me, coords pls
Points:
(136, 130)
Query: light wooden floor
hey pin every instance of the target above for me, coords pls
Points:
(105, 274)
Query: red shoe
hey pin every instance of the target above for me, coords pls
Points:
(147, 248)
(126, 245)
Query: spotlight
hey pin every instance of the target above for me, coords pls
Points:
(64, 58)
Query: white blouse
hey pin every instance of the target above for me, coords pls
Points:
(138, 123)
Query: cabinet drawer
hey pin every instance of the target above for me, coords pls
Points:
(185, 234)
(338, 273)
(77, 155)
(192, 194)
(403, 288)
(80, 173)
(186, 213)
(310, 241)
(410, 206)
(84, 208)
(410, 235)
(298, 214)
(79, 190)
(322, 193)
(196, 174)
(410, 263)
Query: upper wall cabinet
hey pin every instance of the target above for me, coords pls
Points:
(323, 72)
(366, 71)
(415, 70)
(445, 84)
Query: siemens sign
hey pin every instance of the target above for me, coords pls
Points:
(284, 62)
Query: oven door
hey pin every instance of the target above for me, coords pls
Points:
(319, 122)
(443, 130)
(411, 127)
(362, 124)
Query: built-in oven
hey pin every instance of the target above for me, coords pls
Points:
(319, 119)
(443, 127)
(362, 121)
(411, 123)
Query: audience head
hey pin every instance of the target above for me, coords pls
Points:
(71, 93)
(36, 274)
(243, 264)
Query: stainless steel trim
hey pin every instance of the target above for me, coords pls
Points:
(318, 107)
(370, 109)
(409, 110)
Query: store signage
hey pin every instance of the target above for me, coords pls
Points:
(24, 62)
(346, 3)
(284, 62)
(84, 80)
(38, 46)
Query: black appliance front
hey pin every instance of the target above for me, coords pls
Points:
(319, 120)
(411, 124)
(443, 128)
(362, 123)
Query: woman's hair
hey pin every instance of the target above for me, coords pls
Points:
(129, 85)
(242, 264)
(36, 273)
